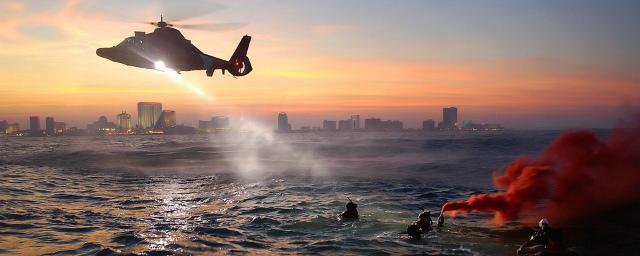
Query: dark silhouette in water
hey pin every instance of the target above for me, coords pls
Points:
(413, 231)
(424, 221)
(545, 241)
(351, 212)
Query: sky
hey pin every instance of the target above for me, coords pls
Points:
(525, 64)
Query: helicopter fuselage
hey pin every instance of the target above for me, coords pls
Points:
(168, 46)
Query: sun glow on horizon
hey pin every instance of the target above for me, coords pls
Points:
(407, 65)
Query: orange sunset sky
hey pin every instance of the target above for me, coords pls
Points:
(525, 64)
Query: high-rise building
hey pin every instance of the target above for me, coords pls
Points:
(123, 121)
(329, 125)
(49, 124)
(355, 119)
(372, 124)
(148, 114)
(428, 125)
(168, 118)
(283, 122)
(34, 124)
(345, 125)
(449, 118)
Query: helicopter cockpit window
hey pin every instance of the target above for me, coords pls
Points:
(131, 41)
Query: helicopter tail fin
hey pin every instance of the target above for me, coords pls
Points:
(242, 48)
(239, 64)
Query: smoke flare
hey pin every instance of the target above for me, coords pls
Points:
(577, 176)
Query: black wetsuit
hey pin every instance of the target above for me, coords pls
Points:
(549, 237)
(414, 231)
(424, 221)
(424, 224)
(351, 212)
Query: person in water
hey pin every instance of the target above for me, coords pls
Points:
(351, 212)
(424, 221)
(413, 231)
(546, 240)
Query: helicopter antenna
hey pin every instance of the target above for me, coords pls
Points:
(161, 24)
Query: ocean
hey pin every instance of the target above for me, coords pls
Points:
(255, 192)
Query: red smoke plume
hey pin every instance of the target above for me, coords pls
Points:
(577, 176)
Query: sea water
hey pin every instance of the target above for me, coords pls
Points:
(239, 193)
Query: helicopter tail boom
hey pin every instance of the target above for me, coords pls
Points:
(239, 64)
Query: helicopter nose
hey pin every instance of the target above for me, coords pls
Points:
(102, 52)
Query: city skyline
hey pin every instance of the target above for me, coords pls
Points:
(153, 119)
(301, 120)
(555, 66)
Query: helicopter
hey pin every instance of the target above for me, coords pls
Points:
(166, 48)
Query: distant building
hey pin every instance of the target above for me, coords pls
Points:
(469, 125)
(428, 125)
(166, 120)
(220, 122)
(34, 124)
(74, 131)
(123, 121)
(59, 128)
(49, 124)
(148, 114)
(466, 123)
(169, 118)
(3, 126)
(216, 123)
(449, 118)
(375, 124)
(12, 128)
(180, 129)
(203, 126)
(372, 124)
(283, 122)
(329, 125)
(392, 125)
(355, 119)
(493, 127)
(102, 126)
(345, 125)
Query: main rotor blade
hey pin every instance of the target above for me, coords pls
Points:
(176, 11)
(213, 26)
